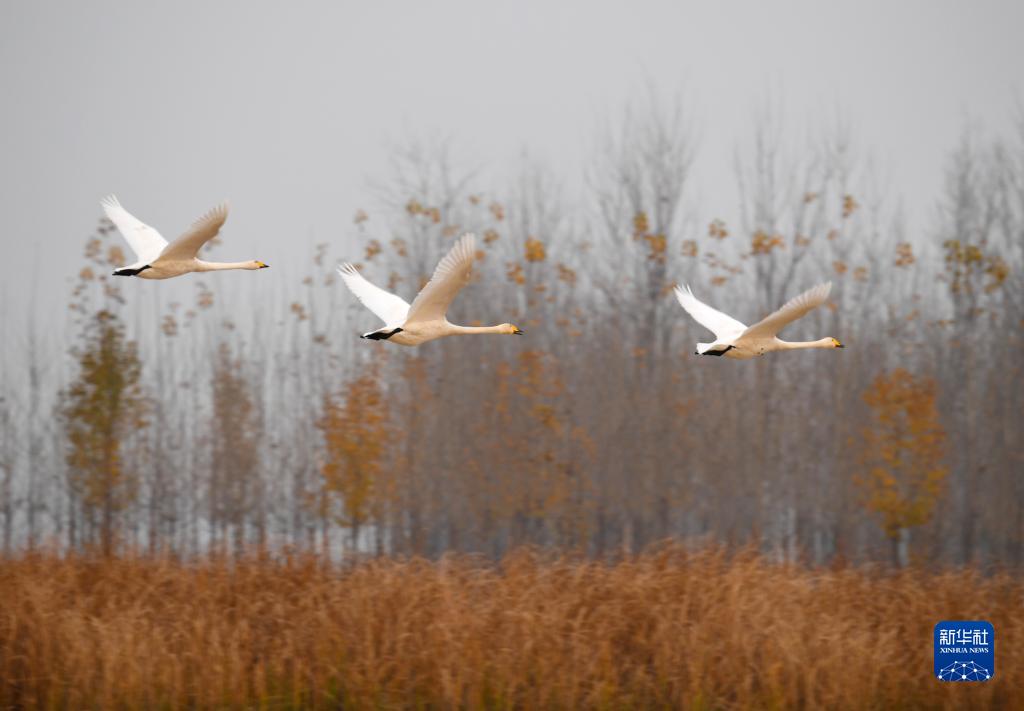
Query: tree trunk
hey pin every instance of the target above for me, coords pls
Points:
(901, 548)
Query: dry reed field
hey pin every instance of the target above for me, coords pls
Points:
(668, 628)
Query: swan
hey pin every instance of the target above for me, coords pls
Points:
(156, 259)
(734, 340)
(425, 319)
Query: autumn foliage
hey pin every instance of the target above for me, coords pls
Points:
(903, 451)
(101, 408)
(356, 432)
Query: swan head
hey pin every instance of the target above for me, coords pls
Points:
(836, 343)
(512, 329)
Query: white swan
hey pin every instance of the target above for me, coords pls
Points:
(425, 319)
(156, 259)
(734, 340)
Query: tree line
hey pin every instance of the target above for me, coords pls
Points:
(248, 419)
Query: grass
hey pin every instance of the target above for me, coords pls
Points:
(665, 629)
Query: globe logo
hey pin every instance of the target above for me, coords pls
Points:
(964, 650)
(963, 671)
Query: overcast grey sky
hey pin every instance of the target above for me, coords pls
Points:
(285, 108)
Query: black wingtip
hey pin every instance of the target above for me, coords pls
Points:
(130, 272)
(381, 335)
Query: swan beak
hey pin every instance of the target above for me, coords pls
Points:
(262, 265)
(840, 346)
(517, 332)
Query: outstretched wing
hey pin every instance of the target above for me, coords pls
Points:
(202, 231)
(795, 308)
(450, 276)
(390, 308)
(145, 241)
(722, 325)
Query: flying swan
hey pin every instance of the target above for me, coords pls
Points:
(425, 319)
(159, 260)
(734, 340)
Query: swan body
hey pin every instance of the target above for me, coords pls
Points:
(158, 259)
(735, 340)
(424, 320)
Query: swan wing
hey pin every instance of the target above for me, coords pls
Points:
(450, 276)
(392, 309)
(202, 231)
(795, 308)
(145, 241)
(722, 325)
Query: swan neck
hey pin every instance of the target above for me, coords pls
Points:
(466, 330)
(220, 266)
(797, 345)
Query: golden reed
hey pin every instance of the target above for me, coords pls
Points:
(666, 629)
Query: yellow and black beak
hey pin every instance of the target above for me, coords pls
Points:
(517, 331)
(262, 265)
